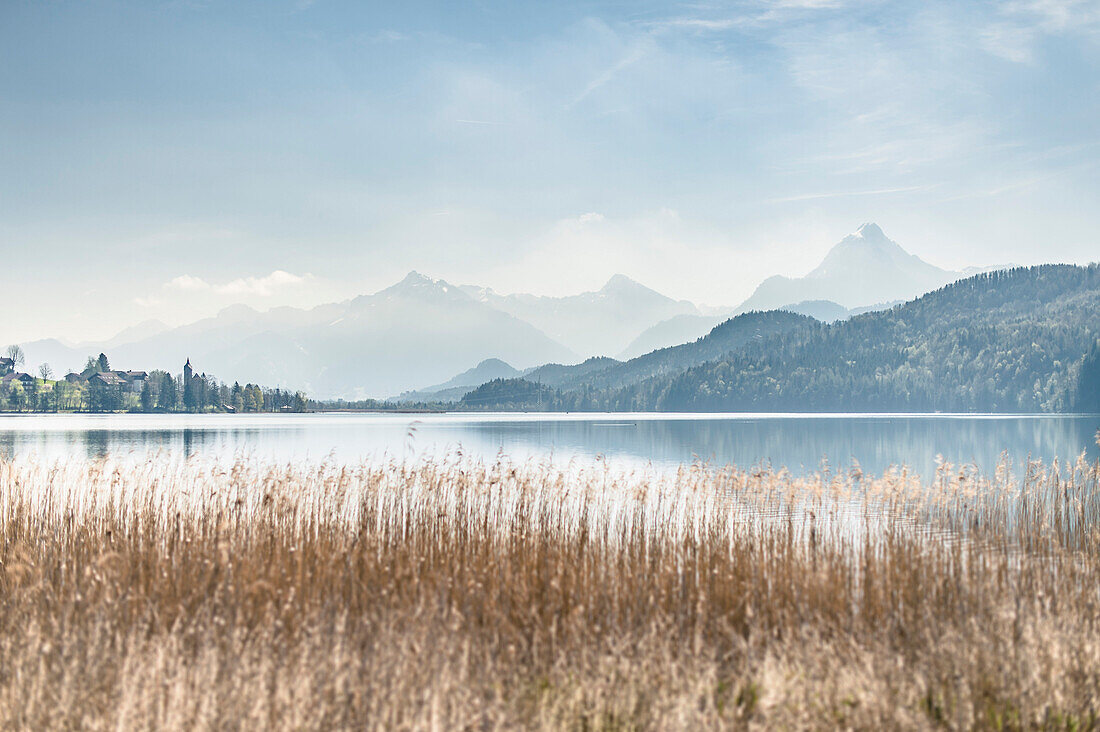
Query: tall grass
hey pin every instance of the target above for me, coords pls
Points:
(455, 595)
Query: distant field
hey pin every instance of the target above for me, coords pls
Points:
(207, 595)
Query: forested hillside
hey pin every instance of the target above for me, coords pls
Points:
(1088, 384)
(1002, 341)
(724, 338)
(1021, 340)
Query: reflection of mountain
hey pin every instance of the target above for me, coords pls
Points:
(797, 442)
(802, 443)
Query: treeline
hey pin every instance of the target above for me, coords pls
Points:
(164, 392)
(1022, 340)
(374, 405)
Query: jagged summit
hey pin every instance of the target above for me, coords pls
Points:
(417, 283)
(870, 230)
(863, 268)
(867, 247)
(867, 237)
(415, 278)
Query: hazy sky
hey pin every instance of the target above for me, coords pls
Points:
(164, 159)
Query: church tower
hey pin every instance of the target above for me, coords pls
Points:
(187, 373)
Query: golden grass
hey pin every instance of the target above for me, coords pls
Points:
(459, 596)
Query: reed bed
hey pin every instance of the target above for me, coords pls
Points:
(458, 595)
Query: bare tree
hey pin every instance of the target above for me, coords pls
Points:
(15, 353)
(45, 371)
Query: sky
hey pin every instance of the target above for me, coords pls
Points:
(166, 159)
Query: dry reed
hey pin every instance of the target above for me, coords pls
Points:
(455, 595)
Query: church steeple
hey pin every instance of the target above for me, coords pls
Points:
(187, 373)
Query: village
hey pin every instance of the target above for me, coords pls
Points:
(99, 388)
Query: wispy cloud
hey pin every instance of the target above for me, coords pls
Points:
(700, 24)
(633, 55)
(1021, 24)
(1056, 15)
(1010, 42)
(847, 194)
(760, 13)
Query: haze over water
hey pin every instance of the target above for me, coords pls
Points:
(798, 442)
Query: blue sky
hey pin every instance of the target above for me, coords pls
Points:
(166, 159)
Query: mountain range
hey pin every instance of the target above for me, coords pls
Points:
(603, 322)
(424, 331)
(1022, 340)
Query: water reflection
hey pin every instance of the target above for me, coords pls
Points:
(799, 442)
(804, 444)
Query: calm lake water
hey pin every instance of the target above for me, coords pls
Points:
(798, 441)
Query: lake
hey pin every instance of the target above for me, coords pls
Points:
(798, 441)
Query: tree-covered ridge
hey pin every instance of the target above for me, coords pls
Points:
(562, 375)
(1002, 341)
(731, 335)
(1021, 340)
(593, 384)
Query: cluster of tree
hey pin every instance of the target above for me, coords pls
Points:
(512, 394)
(1022, 340)
(159, 392)
(1088, 382)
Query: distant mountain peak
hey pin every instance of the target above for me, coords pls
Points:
(622, 287)
(237, 311)
(863, 268)
(415, 282)
(859, 249)
(415, 278)
(870, 230)
(620, 282)
(868, 237)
